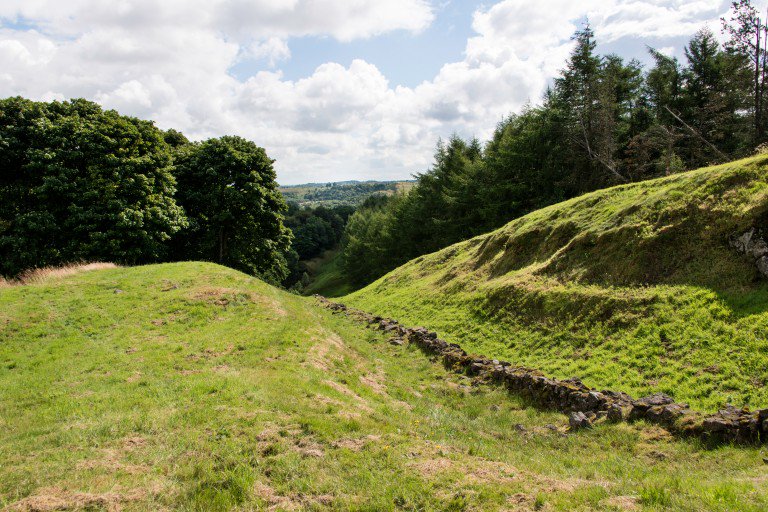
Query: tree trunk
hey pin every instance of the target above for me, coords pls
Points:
(221, 245)
(758, 60)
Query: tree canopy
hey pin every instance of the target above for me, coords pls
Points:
(78, 183)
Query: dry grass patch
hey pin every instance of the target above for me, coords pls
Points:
(326, 348)
(625, 503)
(42, 275)
(225, 297)
(49, 499)
(362, 404)
(292, 501)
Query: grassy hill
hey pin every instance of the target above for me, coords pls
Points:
(633, 288)
(194, 387)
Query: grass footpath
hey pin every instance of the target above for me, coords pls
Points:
(633, 288)
(194, 387)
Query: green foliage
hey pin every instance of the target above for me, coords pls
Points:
(633, 288)
(345, 193)
(315, 231)
(604, 122)
(79, 183)
(227, 186)
(201, 388)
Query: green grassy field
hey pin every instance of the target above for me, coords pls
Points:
(633, 288)
(194, 387)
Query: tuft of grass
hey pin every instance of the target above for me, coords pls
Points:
(42, 275)
(633, 288)
(200, 388)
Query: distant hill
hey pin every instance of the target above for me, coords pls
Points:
(635, 288)
(350, 193)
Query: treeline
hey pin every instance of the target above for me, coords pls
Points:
(78, 183)
(603, 122)
(336, 194)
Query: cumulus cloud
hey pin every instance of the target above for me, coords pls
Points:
(171, 60)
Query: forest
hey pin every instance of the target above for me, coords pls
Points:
(603, 122)
(79, 183)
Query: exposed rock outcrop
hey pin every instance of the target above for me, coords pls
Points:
(584, 405)
(752, 243)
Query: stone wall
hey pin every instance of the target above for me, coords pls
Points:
(584, 405)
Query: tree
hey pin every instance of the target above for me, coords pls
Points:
(80, 183)
(227, 186)
(748, 40)
(712, 97)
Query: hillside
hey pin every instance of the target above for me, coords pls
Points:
(193, 387)
(327, 274)
(634, 288)
(345, 193)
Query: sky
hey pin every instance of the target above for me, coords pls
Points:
(333, 89)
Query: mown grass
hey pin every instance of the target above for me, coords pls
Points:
(193, 387)
(633, 288)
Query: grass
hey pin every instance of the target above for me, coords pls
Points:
(46, 274)
(193, 387)
(328, 278)
(633, 288)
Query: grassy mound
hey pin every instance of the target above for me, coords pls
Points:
(194, 387)
(634, 288)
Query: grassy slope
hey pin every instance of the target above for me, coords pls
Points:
(328, 278)
(198, 388)
(632, 288)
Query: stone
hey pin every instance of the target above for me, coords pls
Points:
(716, 424)
(653, 400)
(585, 405)
(579, 420)
(618, 412)
(762, 265)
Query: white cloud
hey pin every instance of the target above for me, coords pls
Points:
(170, 61)
(273, 50)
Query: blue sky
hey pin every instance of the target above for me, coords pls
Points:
(333, 89)
(404, 57)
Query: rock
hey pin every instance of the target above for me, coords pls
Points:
(762, 266)
(655, 399)
(666, 414)
(118, 291)
(396, 341)
(619, 412)
(476, 368)
(520, 428)
(716, 424)
(762, 418)
(579, 420)
(753, 244)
